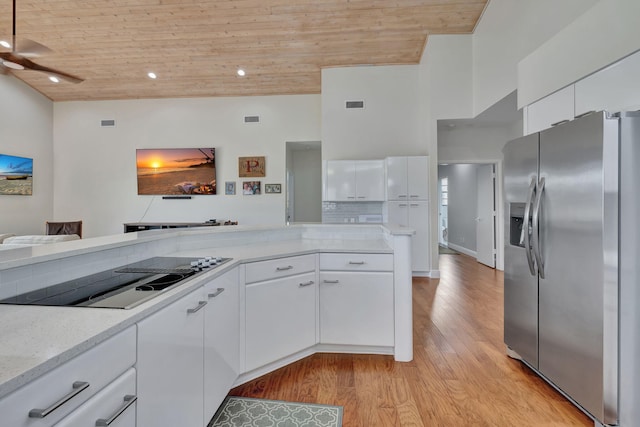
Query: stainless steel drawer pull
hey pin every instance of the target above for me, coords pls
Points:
(198, 308)
(216, 293)
(402, 195)
(357, 262)
(331, 281)
(78, 387)
(361, 197)
(309, 283)
(128, 401)
(414, 196)
(561, 122)
(288, 267)
(414, 205)
(403, 205)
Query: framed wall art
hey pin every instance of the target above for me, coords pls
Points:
(250, 188)
(168, 171)
(16, 175)
(251, 167)
(230, 188)
(272, 188)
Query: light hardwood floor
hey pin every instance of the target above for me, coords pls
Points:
(460, 375)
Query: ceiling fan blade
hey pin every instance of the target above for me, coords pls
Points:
(30, 48)
(65, 76)
(5, 71)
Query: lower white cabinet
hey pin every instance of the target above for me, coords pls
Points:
(221, 340)
(113, 406)
(171, 363)
(280, 318)
(356, 308)
(414, 214)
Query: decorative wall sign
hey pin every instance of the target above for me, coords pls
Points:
(272, 188)
(249, 167)
(250, 188)
(16, 175)
(230, 188)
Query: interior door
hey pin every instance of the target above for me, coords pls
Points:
(485, 220)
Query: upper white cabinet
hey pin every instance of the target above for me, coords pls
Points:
(408, 178)
(355, 180)
(551, 110)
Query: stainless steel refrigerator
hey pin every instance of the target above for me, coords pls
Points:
(563, 278)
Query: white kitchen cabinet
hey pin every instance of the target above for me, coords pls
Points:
(551, 110)
(415, 215)
(113, 406)
(279, 267)
(51, 397)
(356, 308)
(407, 178)
(170, 364)
(221, 339)
(355, 180)
(280, 318)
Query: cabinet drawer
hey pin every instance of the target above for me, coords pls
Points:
(97, 367)
(281, 267)
(356, 262)
(115, 403)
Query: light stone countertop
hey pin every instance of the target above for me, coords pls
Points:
(31, 343)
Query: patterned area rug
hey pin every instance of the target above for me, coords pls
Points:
(247, 412)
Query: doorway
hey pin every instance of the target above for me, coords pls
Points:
(467, 209)
(303, 201)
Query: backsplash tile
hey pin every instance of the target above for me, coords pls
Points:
(349, 212)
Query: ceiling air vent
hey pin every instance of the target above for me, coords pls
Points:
(252, 119)
(355, 104)
(107, 123)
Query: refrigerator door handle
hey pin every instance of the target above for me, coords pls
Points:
(525, 236)
(536, 227)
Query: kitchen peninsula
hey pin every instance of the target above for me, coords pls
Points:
(348, 288)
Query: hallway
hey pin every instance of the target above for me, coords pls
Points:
(459, 377)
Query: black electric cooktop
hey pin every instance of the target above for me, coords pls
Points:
(122, 287)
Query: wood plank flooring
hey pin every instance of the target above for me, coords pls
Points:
(460, 375)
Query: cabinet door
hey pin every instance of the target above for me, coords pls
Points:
(397, 178)
(221, 339)
(418, 219)
(398, 213)
(280, 318)
(551, 110)
(418, 177)
(341, 180)
(370, 185)
(356, 308)
(170, 364)
(115, 404)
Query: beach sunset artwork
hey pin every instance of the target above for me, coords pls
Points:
(16, 175)
(173, 171)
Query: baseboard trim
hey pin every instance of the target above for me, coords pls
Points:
(463, 250)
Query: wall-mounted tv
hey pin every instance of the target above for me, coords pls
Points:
(16, 175)
(176, 171)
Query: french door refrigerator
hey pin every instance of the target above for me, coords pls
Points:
(562, 279)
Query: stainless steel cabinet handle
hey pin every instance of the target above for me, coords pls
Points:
(331, 281)
(414, 205)
(536, 228)
(402, 195)
(524, 236)
(361, 197)
(403, 205)
(128, 401)
(357, 262)
(288, 267)
(78, 387)
(351, 197)
(197, 308)
(561, 122)
(415, 196)
(216, 293)
(309, 283)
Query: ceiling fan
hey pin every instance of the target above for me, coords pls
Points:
(18, 59)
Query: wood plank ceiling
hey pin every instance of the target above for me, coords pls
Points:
(195, 47)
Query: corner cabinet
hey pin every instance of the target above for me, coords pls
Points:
(354, 181)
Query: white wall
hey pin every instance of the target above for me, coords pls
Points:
(509, 31)
(473, 143)
(389, 124)
(307, 172)
(463, 203)
(26, 123)
(95, 171)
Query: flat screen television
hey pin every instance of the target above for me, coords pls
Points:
(16, 175)
(176, 171)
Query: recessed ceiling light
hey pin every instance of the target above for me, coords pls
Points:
(152, 75)
(12, 65)
(54, 79)
(241, 72)
(5, 43)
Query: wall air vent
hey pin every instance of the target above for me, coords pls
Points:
(252, 119)
(108, 123)
(355, 104)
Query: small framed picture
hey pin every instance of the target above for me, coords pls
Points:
(250, 188)
(272, 188)
(230, 188)
(251, 167)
